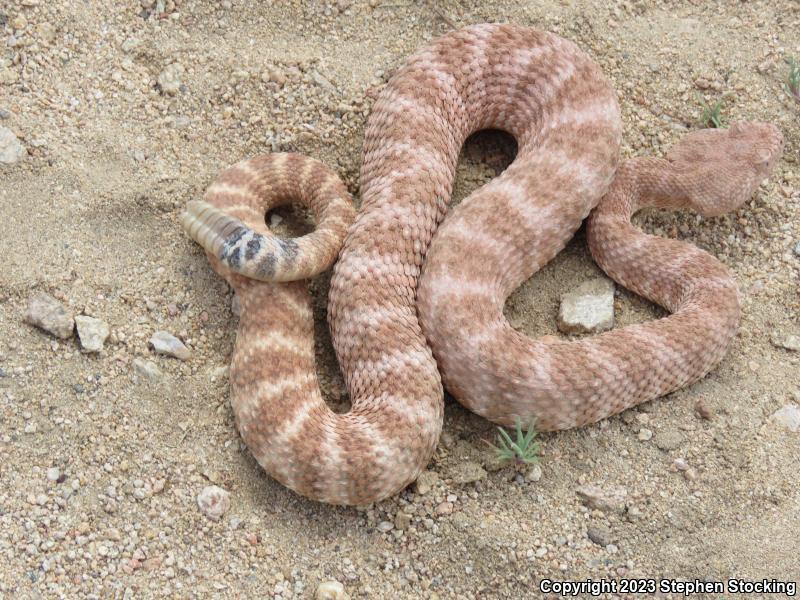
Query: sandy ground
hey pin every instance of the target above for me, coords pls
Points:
(100, 468)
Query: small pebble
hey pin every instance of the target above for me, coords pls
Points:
(11, 150)
(589, 308)
(600, 535)
(214, 502)
(534, 473)
(331, 590)
(169, 80)
(644, 434)
(402, 520)
(702, 409)
(146, 368)
(425, 482)
(787, 417)
(445, 508)
(786, 341)
(47, 313)
(610, 499)
(91, 332)
(53, 474)
(164, 342)
(668, 439)
(385, 526)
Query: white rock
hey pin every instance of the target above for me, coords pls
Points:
(331, 590)
(164, 342)
(47, 313)
(589, 308)
(11, 150)
(385, 526)
(146, 368)
(91, 332)
(534, 473)
(214, 502)
(645, 434)
(786, 341)
(169, 80)
(787, 417)
(53, 473)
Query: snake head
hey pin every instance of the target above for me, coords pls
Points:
(721, 168)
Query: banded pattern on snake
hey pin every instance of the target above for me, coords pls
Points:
(392, 288)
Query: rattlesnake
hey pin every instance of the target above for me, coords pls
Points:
(563, 113)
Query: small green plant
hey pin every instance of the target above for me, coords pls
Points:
(793, 81)
(712, 115)
(523, 450)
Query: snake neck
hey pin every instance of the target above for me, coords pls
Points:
(643, 262)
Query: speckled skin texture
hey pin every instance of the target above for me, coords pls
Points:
(565, 118)
(504, 376)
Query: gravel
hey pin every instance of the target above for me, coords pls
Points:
(91, 215)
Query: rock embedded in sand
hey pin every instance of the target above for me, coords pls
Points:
(786, 341)
(214, 502)
(589, 308)
(608, 500)
(787, 417)
(600, 535)
(47, 313)
(169, 80)
(164, 342)
(146, 368)
(11, 150)
(467, 472)
(425, 482)
(330, 590)
(91, 332)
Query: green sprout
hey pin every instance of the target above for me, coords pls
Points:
(523, 450)
(793, 82)
(712, 115)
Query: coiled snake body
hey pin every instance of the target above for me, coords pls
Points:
(392, 288)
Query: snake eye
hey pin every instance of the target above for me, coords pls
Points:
(763, 157)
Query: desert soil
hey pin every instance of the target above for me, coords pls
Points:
(101, 464)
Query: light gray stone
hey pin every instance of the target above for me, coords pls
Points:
(164, 342)
(589, 308)
(787, 417)
(600, 535)
(47, 313)
(91, 332)
(11, 150)
(786, 341)
(146, 368)
(169, 80)
(214, 502)
(668, 439)
(330, 590)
